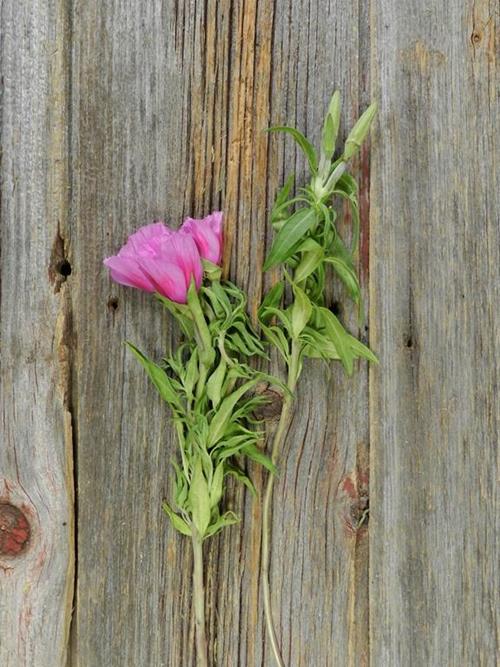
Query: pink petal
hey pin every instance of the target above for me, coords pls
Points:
(173, 267)
(207, 234)
(126, 271)
(147, 239)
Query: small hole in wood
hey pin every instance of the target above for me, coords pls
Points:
(113, 303)
(409, 342)
(64, 268)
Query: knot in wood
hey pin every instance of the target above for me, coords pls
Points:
(271, 409)
(15, 530)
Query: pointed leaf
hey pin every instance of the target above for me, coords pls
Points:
(257, 455)
(177, 522)
(223, 415)
(305, 145)
(293, 230)
(339, 337)
(199, 499)
(301, 311)
(158, 376)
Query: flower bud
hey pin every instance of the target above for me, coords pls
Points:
(359, 132)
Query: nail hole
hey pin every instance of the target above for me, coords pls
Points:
(409, 342)
(113, 303)
(64, 268)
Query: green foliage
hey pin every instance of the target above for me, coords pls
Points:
(210, 389)
(308, 246)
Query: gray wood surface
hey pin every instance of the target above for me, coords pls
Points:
(36, 445)
(434, 285)
(117, 113)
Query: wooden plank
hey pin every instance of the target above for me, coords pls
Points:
(434, 321)
(169, 104)
(36, 481)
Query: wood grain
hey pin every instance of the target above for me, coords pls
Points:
(118, 113)
(36, 443)
(434, 286)
(170, 101)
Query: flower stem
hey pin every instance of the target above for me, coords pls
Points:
(199, 601)
(279, 438)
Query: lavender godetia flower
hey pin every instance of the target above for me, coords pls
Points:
(159, 259)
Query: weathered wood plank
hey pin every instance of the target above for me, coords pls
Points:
(169, 104)
(36, 481)
(434, 321)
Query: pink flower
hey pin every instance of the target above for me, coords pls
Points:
(157, 259)
(207, 234)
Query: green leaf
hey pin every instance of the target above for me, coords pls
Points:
(222, 417)
(293, 230)
(181, 313)
(312, 256)
(227, 519)
(257, 455)
(328, 137)
(158, 376)
(317, 345)
(339, 337)
(272, 299)
(199, 499)
(232, 469)
(215, 382)
(277, 338)
(334, 112)
(361, 350)
(348, 276)
(359, 132)
(192, 373)
(301, 311)
(216, 486)
(305, 145)
(281, 205)
(178, 523)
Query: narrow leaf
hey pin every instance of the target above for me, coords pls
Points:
(158, 376)
(339, 337)
(223, 415)
(199, 499)
(293, 230)
(305, 145)
(257, 455)
(361, 350)
(301, 311)
(178, 523)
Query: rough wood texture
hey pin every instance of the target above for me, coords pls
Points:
(114, 114)
(434, 286)
(36, 480)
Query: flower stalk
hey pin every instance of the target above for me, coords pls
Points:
(278, 441)
(199, 601)
(307, 243)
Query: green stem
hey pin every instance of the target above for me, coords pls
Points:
(207, 352)
(199, 601)
(279, 438)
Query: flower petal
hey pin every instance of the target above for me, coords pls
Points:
(126, 271)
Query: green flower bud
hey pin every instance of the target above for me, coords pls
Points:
(359, 132)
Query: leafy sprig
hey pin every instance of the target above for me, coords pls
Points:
(306, 244)
(209, 387)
